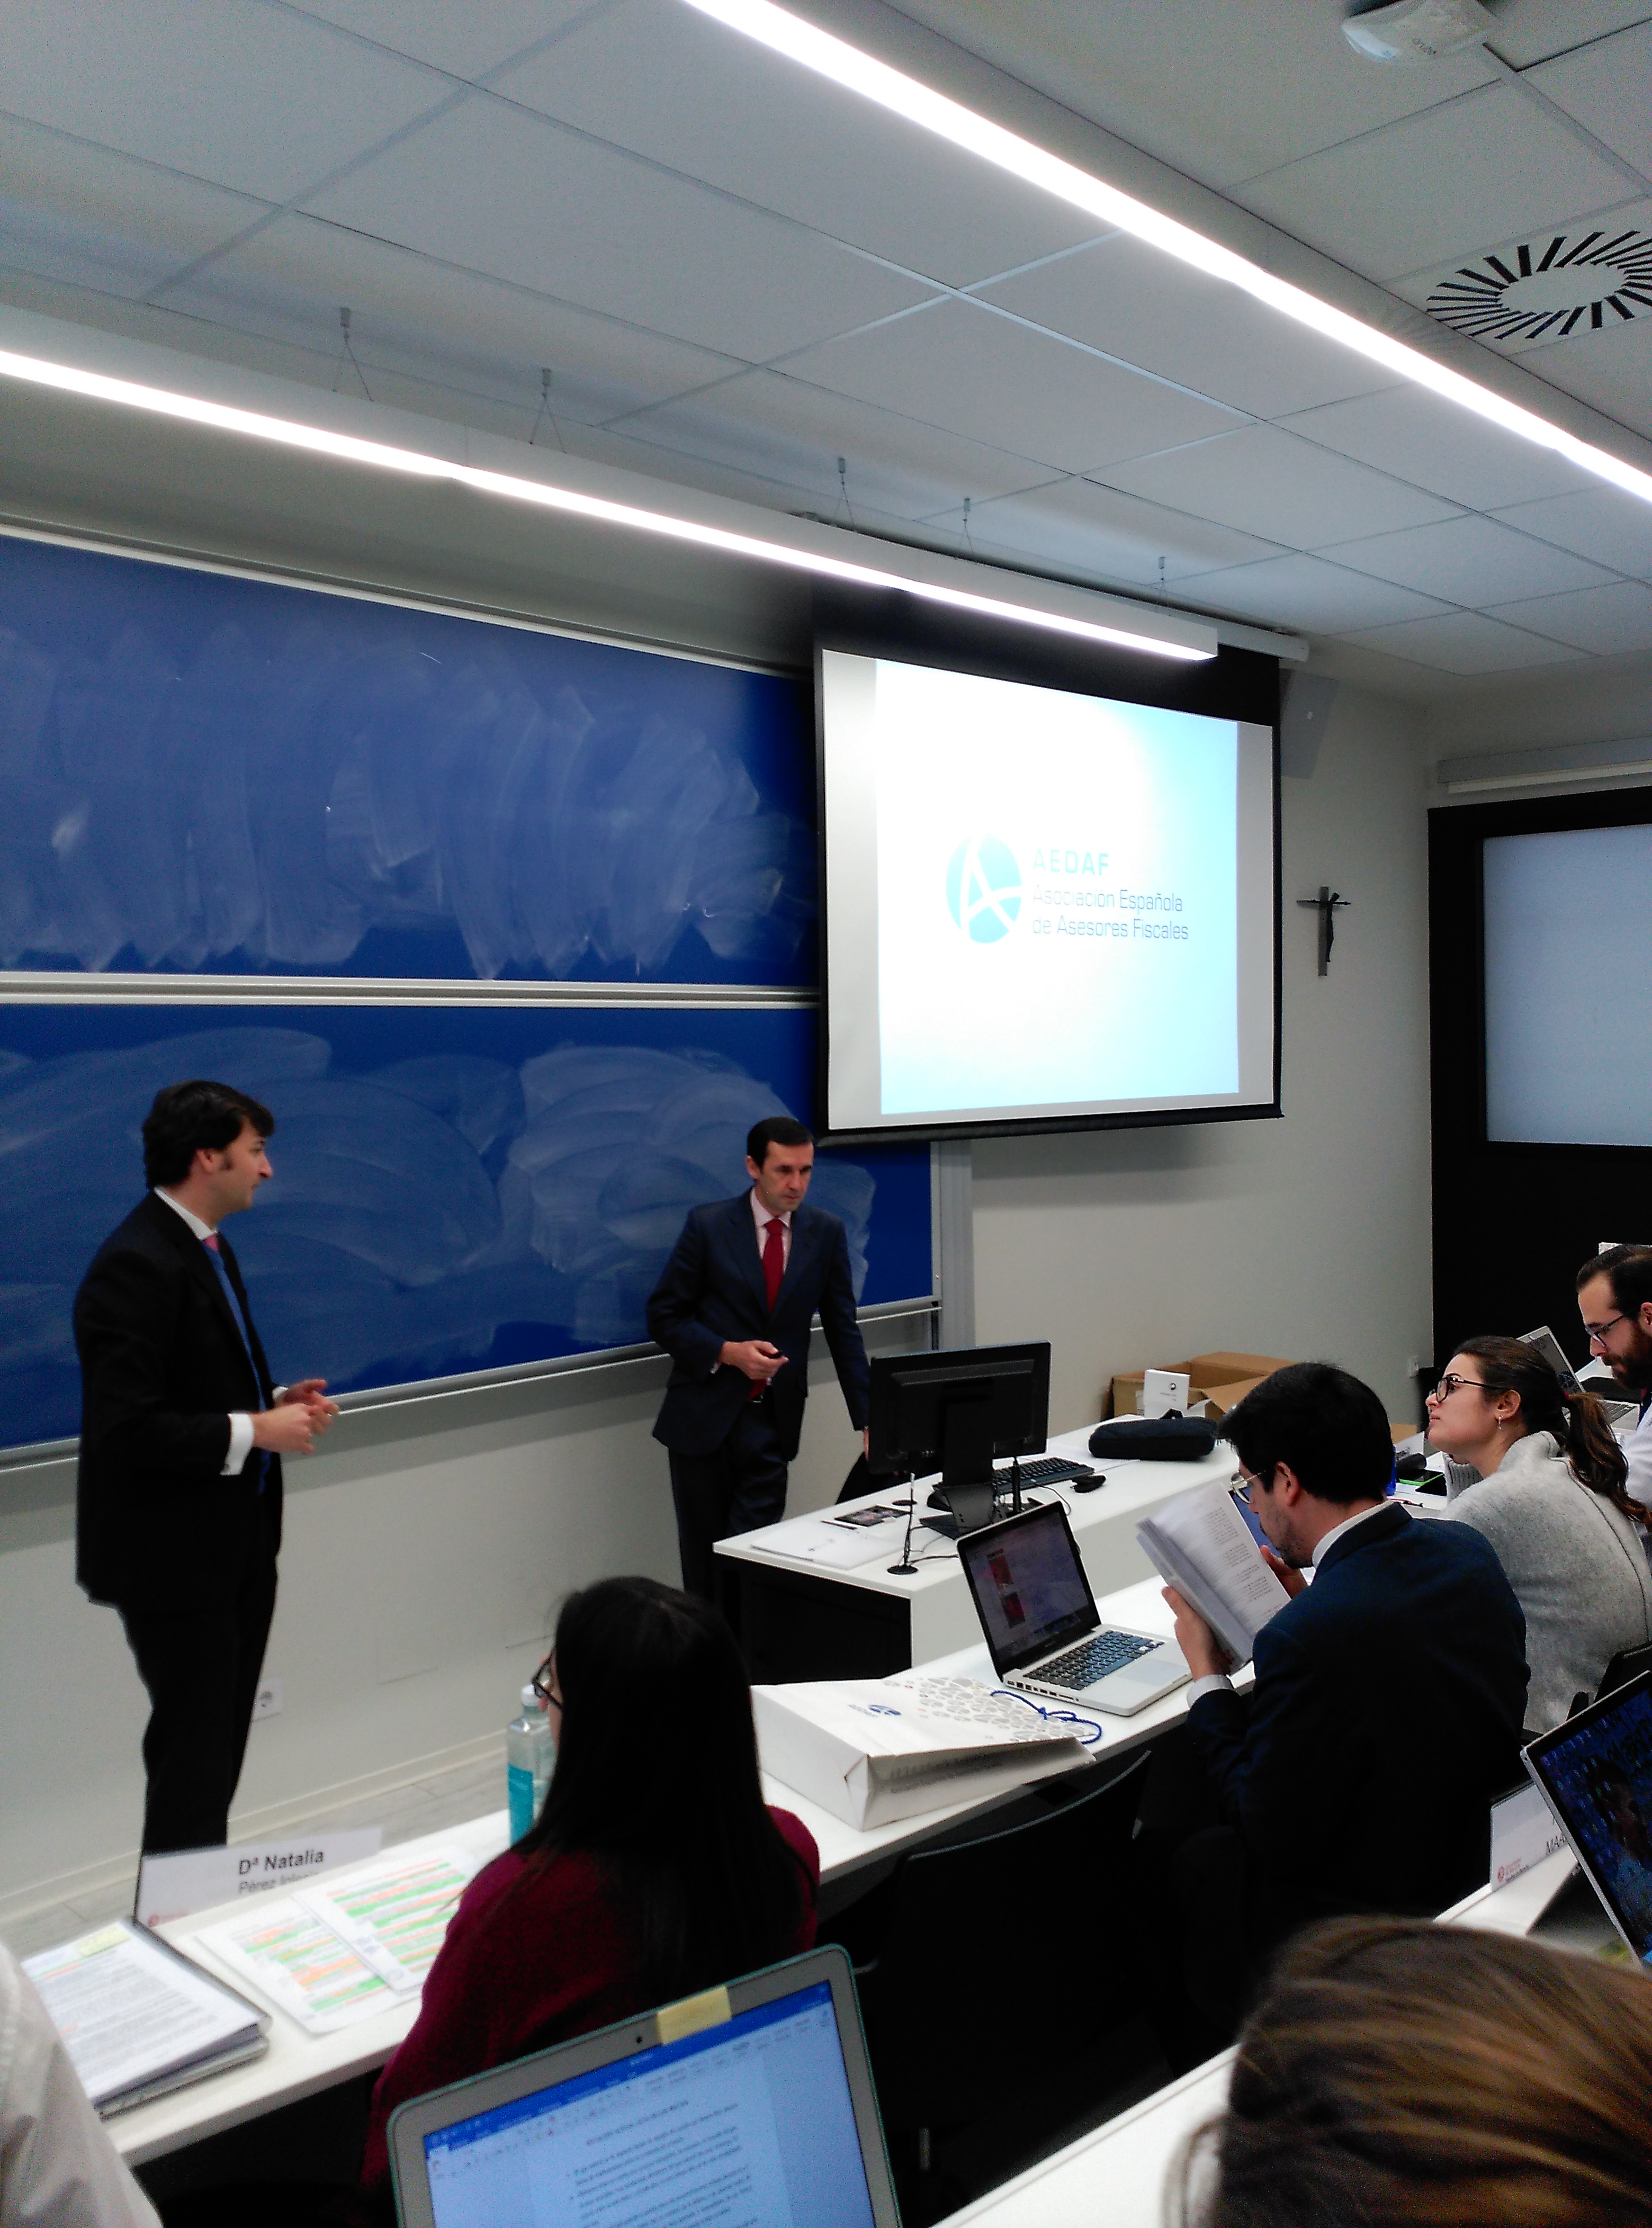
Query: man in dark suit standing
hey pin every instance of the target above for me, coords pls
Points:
(181, 1436)
(733, 1310)
(1388, 1702)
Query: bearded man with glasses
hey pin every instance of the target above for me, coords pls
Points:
(1614, 1300)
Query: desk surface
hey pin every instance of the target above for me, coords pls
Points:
(298, 2065)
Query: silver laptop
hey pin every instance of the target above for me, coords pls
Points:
(751, 2103)
(1039, 1617)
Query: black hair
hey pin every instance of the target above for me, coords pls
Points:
(1628, 1269)
(1330, 1428)
(1578, 1421)
(656, 1778)
(775, 1129)
(189, 1118)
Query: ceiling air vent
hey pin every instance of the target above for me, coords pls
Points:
(1549, 288)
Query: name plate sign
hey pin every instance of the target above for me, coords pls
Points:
(193, 1880)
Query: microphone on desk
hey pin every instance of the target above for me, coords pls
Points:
(906, 1568)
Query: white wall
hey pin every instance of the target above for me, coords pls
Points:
(1307, 1237)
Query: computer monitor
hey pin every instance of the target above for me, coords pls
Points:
(955, 1410)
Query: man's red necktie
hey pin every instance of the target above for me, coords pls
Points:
(774, 1258)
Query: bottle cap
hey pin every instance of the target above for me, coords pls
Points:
(530, 1699)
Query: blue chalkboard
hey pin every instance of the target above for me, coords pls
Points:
(457, 1187)
(206, 774)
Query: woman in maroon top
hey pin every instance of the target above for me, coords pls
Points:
(654, 1870)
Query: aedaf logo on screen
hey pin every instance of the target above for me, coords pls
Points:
(984, 888)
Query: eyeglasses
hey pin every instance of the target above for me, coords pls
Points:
(1448, 1384)
(544, 1685)
(1597, 1331)
(1242, 1490)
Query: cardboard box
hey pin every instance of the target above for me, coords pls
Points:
(1220, 1381)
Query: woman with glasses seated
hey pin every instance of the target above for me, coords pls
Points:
(1550, 1499)
(653, 1871)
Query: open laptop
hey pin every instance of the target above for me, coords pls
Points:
(1043, 1632)
(750, 2102)
(1596, 1772)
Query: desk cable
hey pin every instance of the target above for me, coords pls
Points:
(1055, 1717)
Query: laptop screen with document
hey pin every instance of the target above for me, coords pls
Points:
(750, 2118)
(1028, 1584)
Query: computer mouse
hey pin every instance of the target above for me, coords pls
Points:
(1090, 1481)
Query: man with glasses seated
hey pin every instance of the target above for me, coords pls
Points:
(1389, 1697)
(1614, 1300)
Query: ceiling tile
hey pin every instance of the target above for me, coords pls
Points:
(788, 140)
(468, 40)
(767, 422)
(1310, 593)
(68, 211)
(1432, 443)
(494, 189)
(1265, 482)
(1529, 29)
(1465, 642)
(1075, 524)
(1164, 78)
(1135, 303)
(1610, 621)
(997, 381)
(1607, 85)
(1611, 368)
(1473, 562)
(433, 322)
(1603, 522)
(1437, 186)
(250, 97)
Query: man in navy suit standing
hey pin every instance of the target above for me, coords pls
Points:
(181, 1436)
(733, 1310)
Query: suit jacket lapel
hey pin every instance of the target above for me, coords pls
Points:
(742, 1237)
(805, 1233)
(202, 1269)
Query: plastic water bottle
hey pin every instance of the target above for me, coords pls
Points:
(530, 1752)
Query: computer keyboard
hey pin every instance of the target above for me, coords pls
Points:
(1043, 1469)
(1093, 1659)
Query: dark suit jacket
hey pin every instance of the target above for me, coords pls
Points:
(1387, 1717)
(713, 1290)
(162, 1368)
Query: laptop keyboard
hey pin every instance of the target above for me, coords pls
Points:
(1092, 1660)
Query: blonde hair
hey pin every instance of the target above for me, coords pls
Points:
(1401, 2072)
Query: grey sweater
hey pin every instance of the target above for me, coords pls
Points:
(1576, 1564)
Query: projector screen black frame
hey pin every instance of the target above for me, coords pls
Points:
(1236, 684)
(1512, 1220)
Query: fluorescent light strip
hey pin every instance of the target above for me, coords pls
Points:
(948, 119)
(348, 449)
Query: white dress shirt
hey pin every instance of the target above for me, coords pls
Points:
(761, 1216)
(1214, 1682)
(58, 2167)
(241, 1427)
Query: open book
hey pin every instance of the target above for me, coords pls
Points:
(1201, 1545)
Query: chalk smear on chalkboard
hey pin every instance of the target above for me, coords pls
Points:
(277, 794)
(418, 1210)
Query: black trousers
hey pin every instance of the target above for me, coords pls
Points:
(200, 1667)
(738, 1486)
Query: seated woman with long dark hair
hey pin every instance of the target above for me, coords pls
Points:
(1551, 1501)
(654, 1869)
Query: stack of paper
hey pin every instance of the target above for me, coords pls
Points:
(328, 1957)
(137, 2018)
(1200, 1544)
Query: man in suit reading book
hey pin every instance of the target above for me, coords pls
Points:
(182, 1434)
(1388, 1701)
(733, 1310)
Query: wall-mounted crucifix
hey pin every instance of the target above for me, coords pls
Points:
(1327, 904)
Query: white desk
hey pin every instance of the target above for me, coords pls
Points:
(931, 1613)
(1117, 2176)
(298, 2065)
